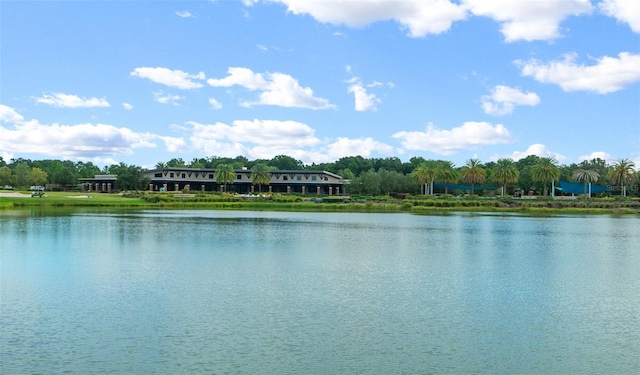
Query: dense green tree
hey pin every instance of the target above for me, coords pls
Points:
(129, 177)
(225, 175)
(260, 175)
(176, 163)
(357, 164)
(623, 174)
(505, 172)
(197, 163)
(6, 177)
(473, 173)
(545, 171)
(370, 182)
(390, 164)
(284, 162)
(87, 170)
(586, 176)
(21, 171)
(37, 176)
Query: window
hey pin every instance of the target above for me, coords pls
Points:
(211, 176)
(238, 177)
(158, 174)
(313, 178)
(171, 174)
(184, 175)
(299, 178)
(285, 178)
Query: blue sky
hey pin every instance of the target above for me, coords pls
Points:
(143, 82)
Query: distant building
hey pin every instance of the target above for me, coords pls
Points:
(103, 183)
(282, 181)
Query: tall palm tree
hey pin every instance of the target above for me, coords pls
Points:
(587, 176)
(545, 171)
(505, 172)
(225, 175)
(260, 175)
(447, 174)
(422, 174)
(473, 173)
(623, 173)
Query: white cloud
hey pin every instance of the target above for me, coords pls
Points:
(184, 14)
(598, 155)
(470, 135)
(277, 89)
(529, 20)
(363, 100)
(172, 78)
(59, 99)
(9, 115)
(264, 139)
(361, 146)
(127, 106)
(538, 150)
(608, 74)
(80, 141)
(419, 17)
(164, 98)
(503, 100)
(215, 104)
(627, 11)
(277, 136)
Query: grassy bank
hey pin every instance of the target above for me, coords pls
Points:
(418, 205)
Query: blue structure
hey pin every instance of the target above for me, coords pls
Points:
(578, 187)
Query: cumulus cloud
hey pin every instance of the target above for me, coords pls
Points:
(79, 141)
(361, 146)
(223, 139)
(418, 17)
(538, 150)
(363, 100)
(529, 20)
(164, 98)
(59, 99)
(127, 106)
(277, 89)
(172, 78)
(626, 11)
(215, 104)
(264, 139)
(470, 135)
(9, 115)
(598, 155)
(608, 74)
(503, 100)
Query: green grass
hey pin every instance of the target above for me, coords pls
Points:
(60, 199)
(332, 204)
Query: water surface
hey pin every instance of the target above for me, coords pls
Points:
(263, 292)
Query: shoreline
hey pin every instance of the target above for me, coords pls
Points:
(417, 205)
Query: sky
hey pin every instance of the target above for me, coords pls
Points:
(143, 82)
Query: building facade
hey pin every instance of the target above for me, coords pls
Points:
(282, 181)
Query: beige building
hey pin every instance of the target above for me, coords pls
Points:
(282, 181)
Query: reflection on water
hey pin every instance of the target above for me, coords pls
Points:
(259, 292)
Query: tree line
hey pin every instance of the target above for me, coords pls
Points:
(369, 176)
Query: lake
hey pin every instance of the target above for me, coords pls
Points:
(239, 292)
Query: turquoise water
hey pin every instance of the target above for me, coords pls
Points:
(224, 292)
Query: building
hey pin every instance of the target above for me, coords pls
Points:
(101, 183)
(282, 181)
